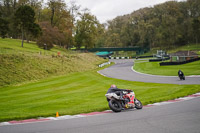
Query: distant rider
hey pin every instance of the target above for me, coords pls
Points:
(113, 89)
(180, 73)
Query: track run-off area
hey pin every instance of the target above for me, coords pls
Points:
(174, 116)
(181, 115)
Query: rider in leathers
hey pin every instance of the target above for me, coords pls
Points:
(114, 89)
(180, 73)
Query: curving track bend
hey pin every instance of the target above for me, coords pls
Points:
(123, 70)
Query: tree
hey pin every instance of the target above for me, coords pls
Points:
(74, 11)
(25, 18)
(56, 7)
(196, 29)
(165, 25)
(36, 5)
(58, 16)
(3, 26)
(86, 31)
(7, 8)
(33, 31)
(50, 36)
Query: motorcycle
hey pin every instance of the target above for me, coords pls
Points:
(181, 75)
(129, 101)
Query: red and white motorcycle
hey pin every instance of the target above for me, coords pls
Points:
(129, 101)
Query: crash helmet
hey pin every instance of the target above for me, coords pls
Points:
(113, 86)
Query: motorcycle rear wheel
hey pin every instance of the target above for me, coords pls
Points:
(138, 104)
(115, 105)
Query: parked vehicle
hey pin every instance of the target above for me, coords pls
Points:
(129, 101)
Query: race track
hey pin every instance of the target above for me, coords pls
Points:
(123, 70)
(179, 117)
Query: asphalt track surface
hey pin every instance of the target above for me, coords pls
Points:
(123, 70)
(179, 117)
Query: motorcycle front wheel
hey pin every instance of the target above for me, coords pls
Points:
(115, 105)
(138, 104)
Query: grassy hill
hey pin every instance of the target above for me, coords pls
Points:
(10, 46)
(19, 65)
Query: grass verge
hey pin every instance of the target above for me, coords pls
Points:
(77, 93)
(17, 68)
(171, 70)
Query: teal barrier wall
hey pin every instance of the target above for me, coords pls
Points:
(139, 50)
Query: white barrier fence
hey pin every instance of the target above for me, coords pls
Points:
(103, 64)
(117, 57)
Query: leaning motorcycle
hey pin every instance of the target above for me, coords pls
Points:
(129, 101)
(181, 75)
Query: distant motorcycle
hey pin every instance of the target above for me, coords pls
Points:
(129, 101)
(181, 75)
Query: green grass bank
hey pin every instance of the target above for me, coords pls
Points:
(77, 93)
(20, 65)
(154, 68)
